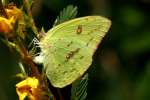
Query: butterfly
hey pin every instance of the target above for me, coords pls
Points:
(68, 48)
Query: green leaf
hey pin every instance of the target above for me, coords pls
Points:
(79, 88)
(66, 14)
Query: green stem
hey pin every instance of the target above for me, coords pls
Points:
(28, 11)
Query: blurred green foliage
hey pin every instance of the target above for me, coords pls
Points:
(121, 66)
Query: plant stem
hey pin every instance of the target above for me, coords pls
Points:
(28, 60)
(28, 10)
(60, 95)
(2, 10)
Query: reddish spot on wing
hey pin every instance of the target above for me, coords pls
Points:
(79, 29)
(71, 54)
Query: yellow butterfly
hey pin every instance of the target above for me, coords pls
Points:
(68, 48)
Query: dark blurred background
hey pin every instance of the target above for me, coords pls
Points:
(121, 65)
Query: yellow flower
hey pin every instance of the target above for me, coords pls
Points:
(6, 24)
(27, 88)
(14, 11)
(19, 17)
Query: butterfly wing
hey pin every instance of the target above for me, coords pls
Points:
(68, 48)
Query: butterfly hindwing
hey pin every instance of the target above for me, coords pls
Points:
(68, 48)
